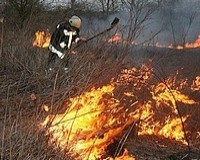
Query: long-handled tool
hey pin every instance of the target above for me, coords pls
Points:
(113, 24)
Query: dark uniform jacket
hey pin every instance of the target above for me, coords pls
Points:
(62, 38)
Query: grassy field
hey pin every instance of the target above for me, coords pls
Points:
(25, 88)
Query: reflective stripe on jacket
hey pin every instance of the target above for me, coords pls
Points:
(62, 38)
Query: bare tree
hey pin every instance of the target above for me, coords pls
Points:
(23, 9)
(108, 5)
(140, 11)
(73, 5)
(186, 28)
(2, 8)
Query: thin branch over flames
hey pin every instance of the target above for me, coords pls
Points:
(94, 119)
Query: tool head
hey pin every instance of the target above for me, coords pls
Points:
(115, 21)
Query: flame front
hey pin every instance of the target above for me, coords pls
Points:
(196, 84)
(89, 125)
(42, 39)
(94, 119)
(195, 44)
(164, 95)
(117, 38)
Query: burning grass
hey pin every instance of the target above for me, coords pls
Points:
(101, 107)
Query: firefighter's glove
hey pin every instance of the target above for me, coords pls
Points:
(81, 41)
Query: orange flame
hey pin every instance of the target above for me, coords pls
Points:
(45, 108)
(125, 156)
(95, 118)
(163, 94)
(42, 39)
(172, 127)
(117, 38)
(196, 84)
(81, 126)
(195, 44)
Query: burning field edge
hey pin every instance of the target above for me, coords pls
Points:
(137, 108)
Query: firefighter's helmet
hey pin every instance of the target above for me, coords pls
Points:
(75, 21)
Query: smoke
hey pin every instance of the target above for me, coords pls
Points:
(170, 24)
(176, 22)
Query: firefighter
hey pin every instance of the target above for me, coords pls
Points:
(62, 38)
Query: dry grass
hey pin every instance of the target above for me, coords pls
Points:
(23, 74)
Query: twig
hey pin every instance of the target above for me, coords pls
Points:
(2, 34)
(54, 88)
(177, 108)
(4, 126)
(123, 140)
